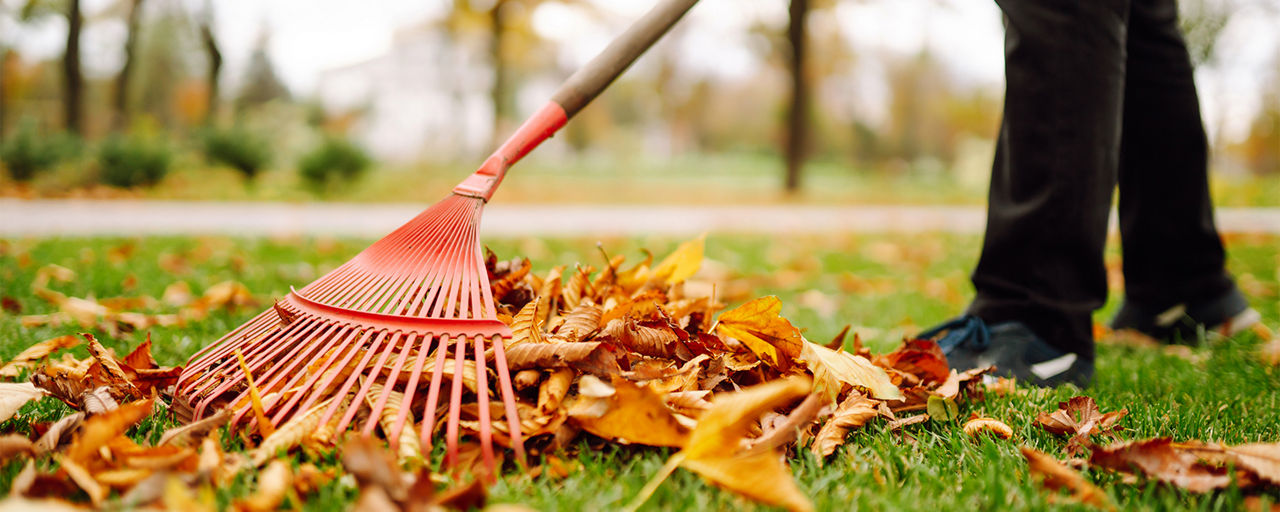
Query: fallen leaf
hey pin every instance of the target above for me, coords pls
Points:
(942, 409)
(525, 328)
(682, 263)
(12, 445)
(832, 369)
(408, 447)
(274, 483)
(1053, 475)
(554, 389)
(630, 414)
(187, 435)
(951, 387)
(97, 493)
(854, 412)
(98, 401)
(1080, 418)
(759, 325)
(15, 395)
(58, 432)
(922, 358)
(26, 358)
(990, 426)
(591, 357)
(1162, 460)
(290, 434)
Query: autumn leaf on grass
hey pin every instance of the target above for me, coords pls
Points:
(922, 358)
(626, 412)
(1053, 475)
(977, 426)
(1261, 459)
(854, 412)
(118, 381)
(833, 369)
(408, 448)
(294, 432)
(681, 264)
(758, 324)
(274, 483)
(714, 449)
(15, 395)
(1163, 460)
(1080, 418)
(98, 430)
(28, 357)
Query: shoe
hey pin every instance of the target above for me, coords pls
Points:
(1182, 323)
(968, 342)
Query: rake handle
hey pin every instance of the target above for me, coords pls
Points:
(576, 92)
(588, 82)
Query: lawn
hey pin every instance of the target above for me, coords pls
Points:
(885, 286)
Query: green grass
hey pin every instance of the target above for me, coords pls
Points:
(719, 178)
(883, 284)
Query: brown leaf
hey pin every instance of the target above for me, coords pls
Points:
(854, 412)
(525, 328)
(554, 389)
(140, 358)
(290, 434)
(373, 466)
(118, 381)
(408, 447)
(951, 387)
(1053, 475)
(909, 420)
(1162, 460)
(1263, 459)
(759, 325)
(1080, 418)
(590, 357)
(97, 493)
(580, 322)
(28, 357)
(471, 496)
(188, 434)
(631, 414)
(991, 426)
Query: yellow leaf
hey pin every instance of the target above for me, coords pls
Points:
(274, 483)
(408, 448)
(524, 327)
(632, 414)
(758, 324)
(83, 479)
(683, 263)
(291, 434)
(37, 352)
(762, 477)
(854, 412)
(832, 369)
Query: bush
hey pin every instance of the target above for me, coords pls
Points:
(27, 153)
(132, 161)
(238, 149)
(334, 161)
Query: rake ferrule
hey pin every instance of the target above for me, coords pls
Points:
(538, 128)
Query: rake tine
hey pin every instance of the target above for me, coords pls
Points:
(409, 389)
(433, 392)
(508, 398)
(345, 337)
(368, 382)
(318, 390)
(388, 387)
(455, 405)
(482, 395)
(355, 375)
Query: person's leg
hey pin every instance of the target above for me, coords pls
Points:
(1055, 169)
(1172, 252)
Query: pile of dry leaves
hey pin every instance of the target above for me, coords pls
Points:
(644, 354)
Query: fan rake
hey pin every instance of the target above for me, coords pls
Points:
(415, 305)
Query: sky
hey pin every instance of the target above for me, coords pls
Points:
(311, 36)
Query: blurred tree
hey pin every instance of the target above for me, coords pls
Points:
(133, 13)
(213, 58)
(798, 111)
(1202, 23)
(73, 77)
(261, 85)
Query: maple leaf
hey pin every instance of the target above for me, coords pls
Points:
(1080, 418)
(759, 325)
(833, 369)
(1053, 475)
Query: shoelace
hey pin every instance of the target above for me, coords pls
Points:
(958, 330)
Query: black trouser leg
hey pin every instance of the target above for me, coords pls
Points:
(1055, 168)
(1172, 252)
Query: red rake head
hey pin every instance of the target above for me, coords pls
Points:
(415, 302)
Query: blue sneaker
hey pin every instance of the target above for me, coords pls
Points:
(1012, 348)
(1183, 323)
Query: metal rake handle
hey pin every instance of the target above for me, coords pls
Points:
(576, 92)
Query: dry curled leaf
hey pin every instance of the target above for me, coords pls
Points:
(28, 357)
(833, 369)
(15, 395)
(274, 482)
(630, 414)
(988, 426)
(1053, 475)
(590, 357)
(188, 434)
(1163, 460)
(1079, 418)
(854, 412)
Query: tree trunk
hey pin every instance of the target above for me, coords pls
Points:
(797, 116)
(498, 93)
(214, 55)
(122, 80)
(73, 80)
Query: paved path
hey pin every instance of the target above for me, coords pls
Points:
(19, 218)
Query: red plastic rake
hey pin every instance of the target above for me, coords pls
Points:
(414, 305)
